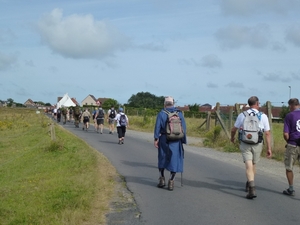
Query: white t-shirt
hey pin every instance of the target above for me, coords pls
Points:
(264, 121)
(118, 118)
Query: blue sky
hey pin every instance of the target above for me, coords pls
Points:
(197, 51)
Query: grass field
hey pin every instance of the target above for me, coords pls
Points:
(65, 181)
(49, 182)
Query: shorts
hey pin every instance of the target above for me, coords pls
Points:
(100, 121)
(291, 155)
(111, 121)
(251, 152)
(86, 119)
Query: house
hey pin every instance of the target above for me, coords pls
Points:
(89, 100)
(30, 104)
(3, 103)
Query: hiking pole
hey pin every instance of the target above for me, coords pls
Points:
(181, 180)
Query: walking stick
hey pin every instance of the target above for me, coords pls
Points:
(181, 180)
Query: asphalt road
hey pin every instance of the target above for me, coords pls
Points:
(211, 191)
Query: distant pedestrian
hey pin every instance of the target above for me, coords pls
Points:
(99, 118)
(64, 115)
(68, 114)
(122, 123)
(76, 114)
(71, 109)
(111, 119)
(85, 119)
(58, 115)
(291, 134)
(55, 113)
(251, 151)
(170, 152)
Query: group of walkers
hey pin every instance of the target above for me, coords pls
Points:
(65, 114)
(171, 152)
(99, 116)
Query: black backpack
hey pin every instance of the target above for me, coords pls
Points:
(112, 114)
(100, 114)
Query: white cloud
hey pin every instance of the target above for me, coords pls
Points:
(78, 36)
(293, 35)
(7, 61)
(247, 7)
(211, 61)
(233, 37)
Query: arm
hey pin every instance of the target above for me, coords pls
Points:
(268, 140)
(233, 131)
(286, 136)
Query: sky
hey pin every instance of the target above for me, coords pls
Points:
(198, 51)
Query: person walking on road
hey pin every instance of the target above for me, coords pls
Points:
(291, 134)
(76, 113)
(122, 123)
(170, 152)
(251, 151)
(111, 119)
(99, 120)
(85, 119)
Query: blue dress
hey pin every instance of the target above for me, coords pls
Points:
(170, 153)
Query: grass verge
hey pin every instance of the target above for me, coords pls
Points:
(50, 182)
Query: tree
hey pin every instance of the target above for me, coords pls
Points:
(10, 102)
(194, 108)
(109, 102)
(284, 110)
(145, 100)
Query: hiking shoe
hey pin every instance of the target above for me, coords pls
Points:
(288, 192)
(247, 187)
(251, 194)
(171, 185)
(109, 132)
(161, 182)
(120, 143)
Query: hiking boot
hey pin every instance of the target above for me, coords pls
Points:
(251, 194)
(161, 183)
(288, 192)
(120, 143)
(171, 185)
(109, 132)
(247, 187)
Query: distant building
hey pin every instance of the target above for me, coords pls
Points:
(89, 100)
(30, 104)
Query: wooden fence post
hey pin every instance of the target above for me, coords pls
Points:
(269, 114)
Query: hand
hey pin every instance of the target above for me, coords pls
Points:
(156, 144)
(232, 140)
(269, 154)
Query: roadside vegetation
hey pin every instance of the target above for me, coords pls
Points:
(50, 182)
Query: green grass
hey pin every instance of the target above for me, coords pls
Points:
(49, 182)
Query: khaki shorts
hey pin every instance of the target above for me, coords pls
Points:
(251, 152)
(111, 121)
(291, 155)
